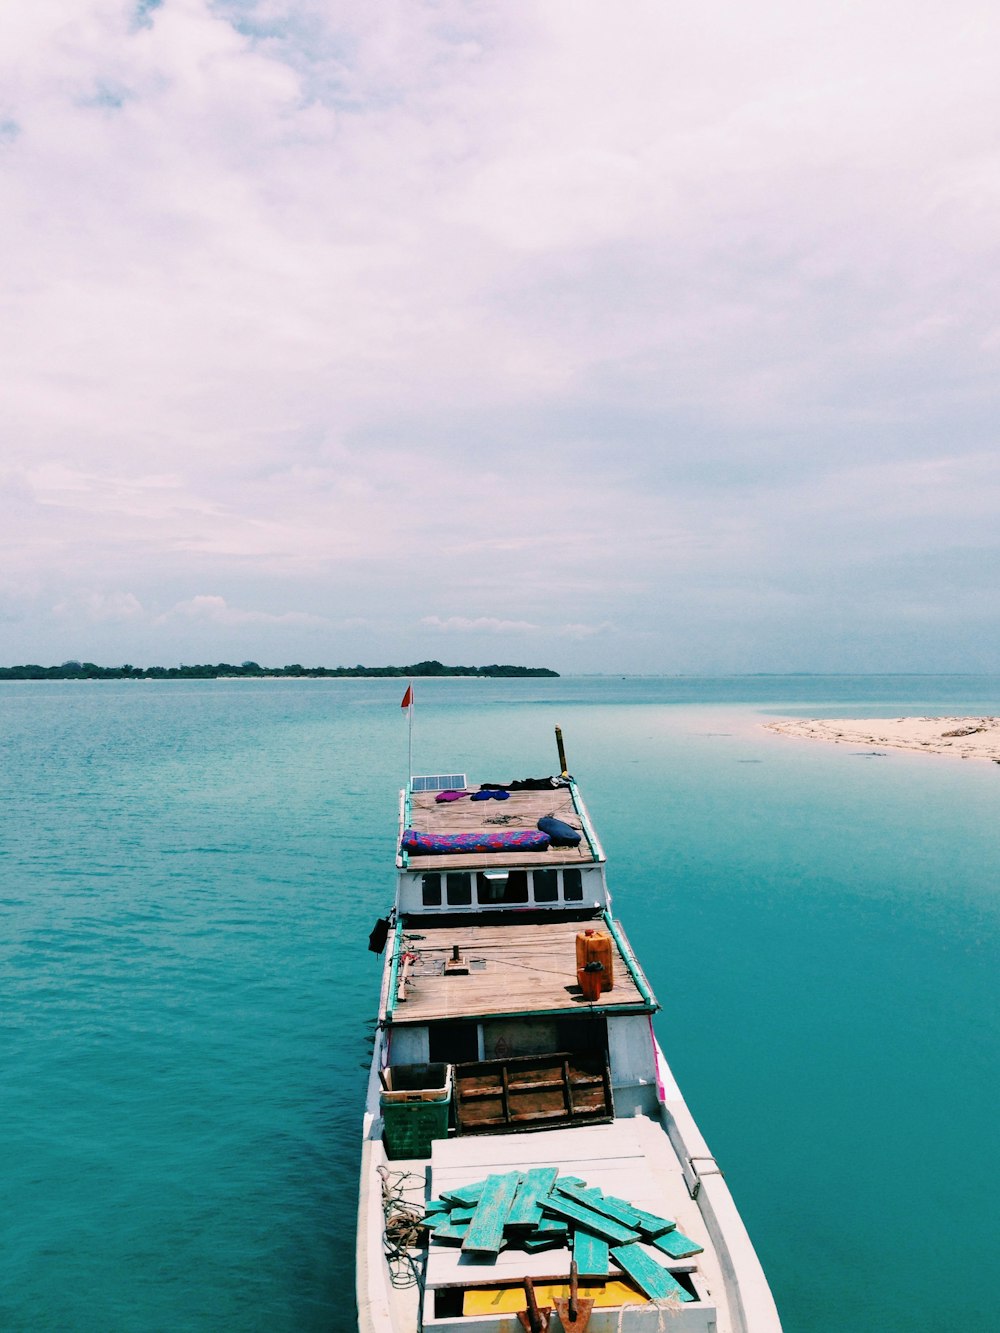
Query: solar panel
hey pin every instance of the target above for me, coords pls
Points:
(439, 782)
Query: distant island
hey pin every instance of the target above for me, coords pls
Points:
(226, 670)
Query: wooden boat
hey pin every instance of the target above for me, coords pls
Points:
(526, 1148)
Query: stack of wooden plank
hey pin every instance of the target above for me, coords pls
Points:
(539, 1209)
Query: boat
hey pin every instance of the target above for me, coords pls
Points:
(528, 1160)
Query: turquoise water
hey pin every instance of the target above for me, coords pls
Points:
(188, 873)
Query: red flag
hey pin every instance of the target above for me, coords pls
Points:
(407, 698)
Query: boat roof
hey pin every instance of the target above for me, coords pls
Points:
(513, 969)
(522, 810)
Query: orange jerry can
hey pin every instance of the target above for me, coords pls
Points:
(594, 967)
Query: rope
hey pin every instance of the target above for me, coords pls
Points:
(404, 1227)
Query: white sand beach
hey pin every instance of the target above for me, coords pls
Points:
(959, 737)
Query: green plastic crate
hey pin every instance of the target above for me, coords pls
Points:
(415, 1109)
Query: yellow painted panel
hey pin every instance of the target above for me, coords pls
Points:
(508, 1300)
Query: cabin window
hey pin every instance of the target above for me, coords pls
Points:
(491, 886)
(546, 885)
(430, 889)
(454, 1043)
(582, 1036)
(572, 886)
(501, 886)
(517, 886)
(459, 887)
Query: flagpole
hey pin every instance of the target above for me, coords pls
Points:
(408, 705)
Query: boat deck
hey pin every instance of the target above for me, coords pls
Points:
(632, 1159)
(513, 969)
(522, 810)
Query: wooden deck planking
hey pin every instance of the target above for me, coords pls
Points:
(521, 811)
(525, 969)
(466, 816)
(552, 859)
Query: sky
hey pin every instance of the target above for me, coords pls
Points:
(643, 338)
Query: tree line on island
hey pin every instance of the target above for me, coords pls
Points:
(225, 670)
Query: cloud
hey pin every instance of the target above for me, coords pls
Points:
(102, 607)
(216, 610)
(584, 631)
(494, 625)
(487, 624)
(54, 483)
(372, 310)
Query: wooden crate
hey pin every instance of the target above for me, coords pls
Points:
(531, 1091)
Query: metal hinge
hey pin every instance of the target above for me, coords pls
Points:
(695, 1168)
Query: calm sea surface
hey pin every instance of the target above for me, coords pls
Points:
(188, 874)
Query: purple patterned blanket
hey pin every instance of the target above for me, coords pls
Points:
(502, 840)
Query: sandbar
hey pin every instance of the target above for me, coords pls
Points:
(959, 737)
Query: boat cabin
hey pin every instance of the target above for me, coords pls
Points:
(483, 979)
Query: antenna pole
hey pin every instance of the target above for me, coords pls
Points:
(563, 770)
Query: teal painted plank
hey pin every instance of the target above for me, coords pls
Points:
(486, 1228)
(551, 1233)
(593, 1198)
(577, 1189)
(648, 1222)
(651, 1225)
(590, 1253)
(620, 1209)
(534, 1184)
(543, 1240)
(437, 1206)
(450, 1234)
(462, 1214)
(677, 1245)
(648, 1275)
(606, 1227)
(527, 1211)
(467, 1195)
